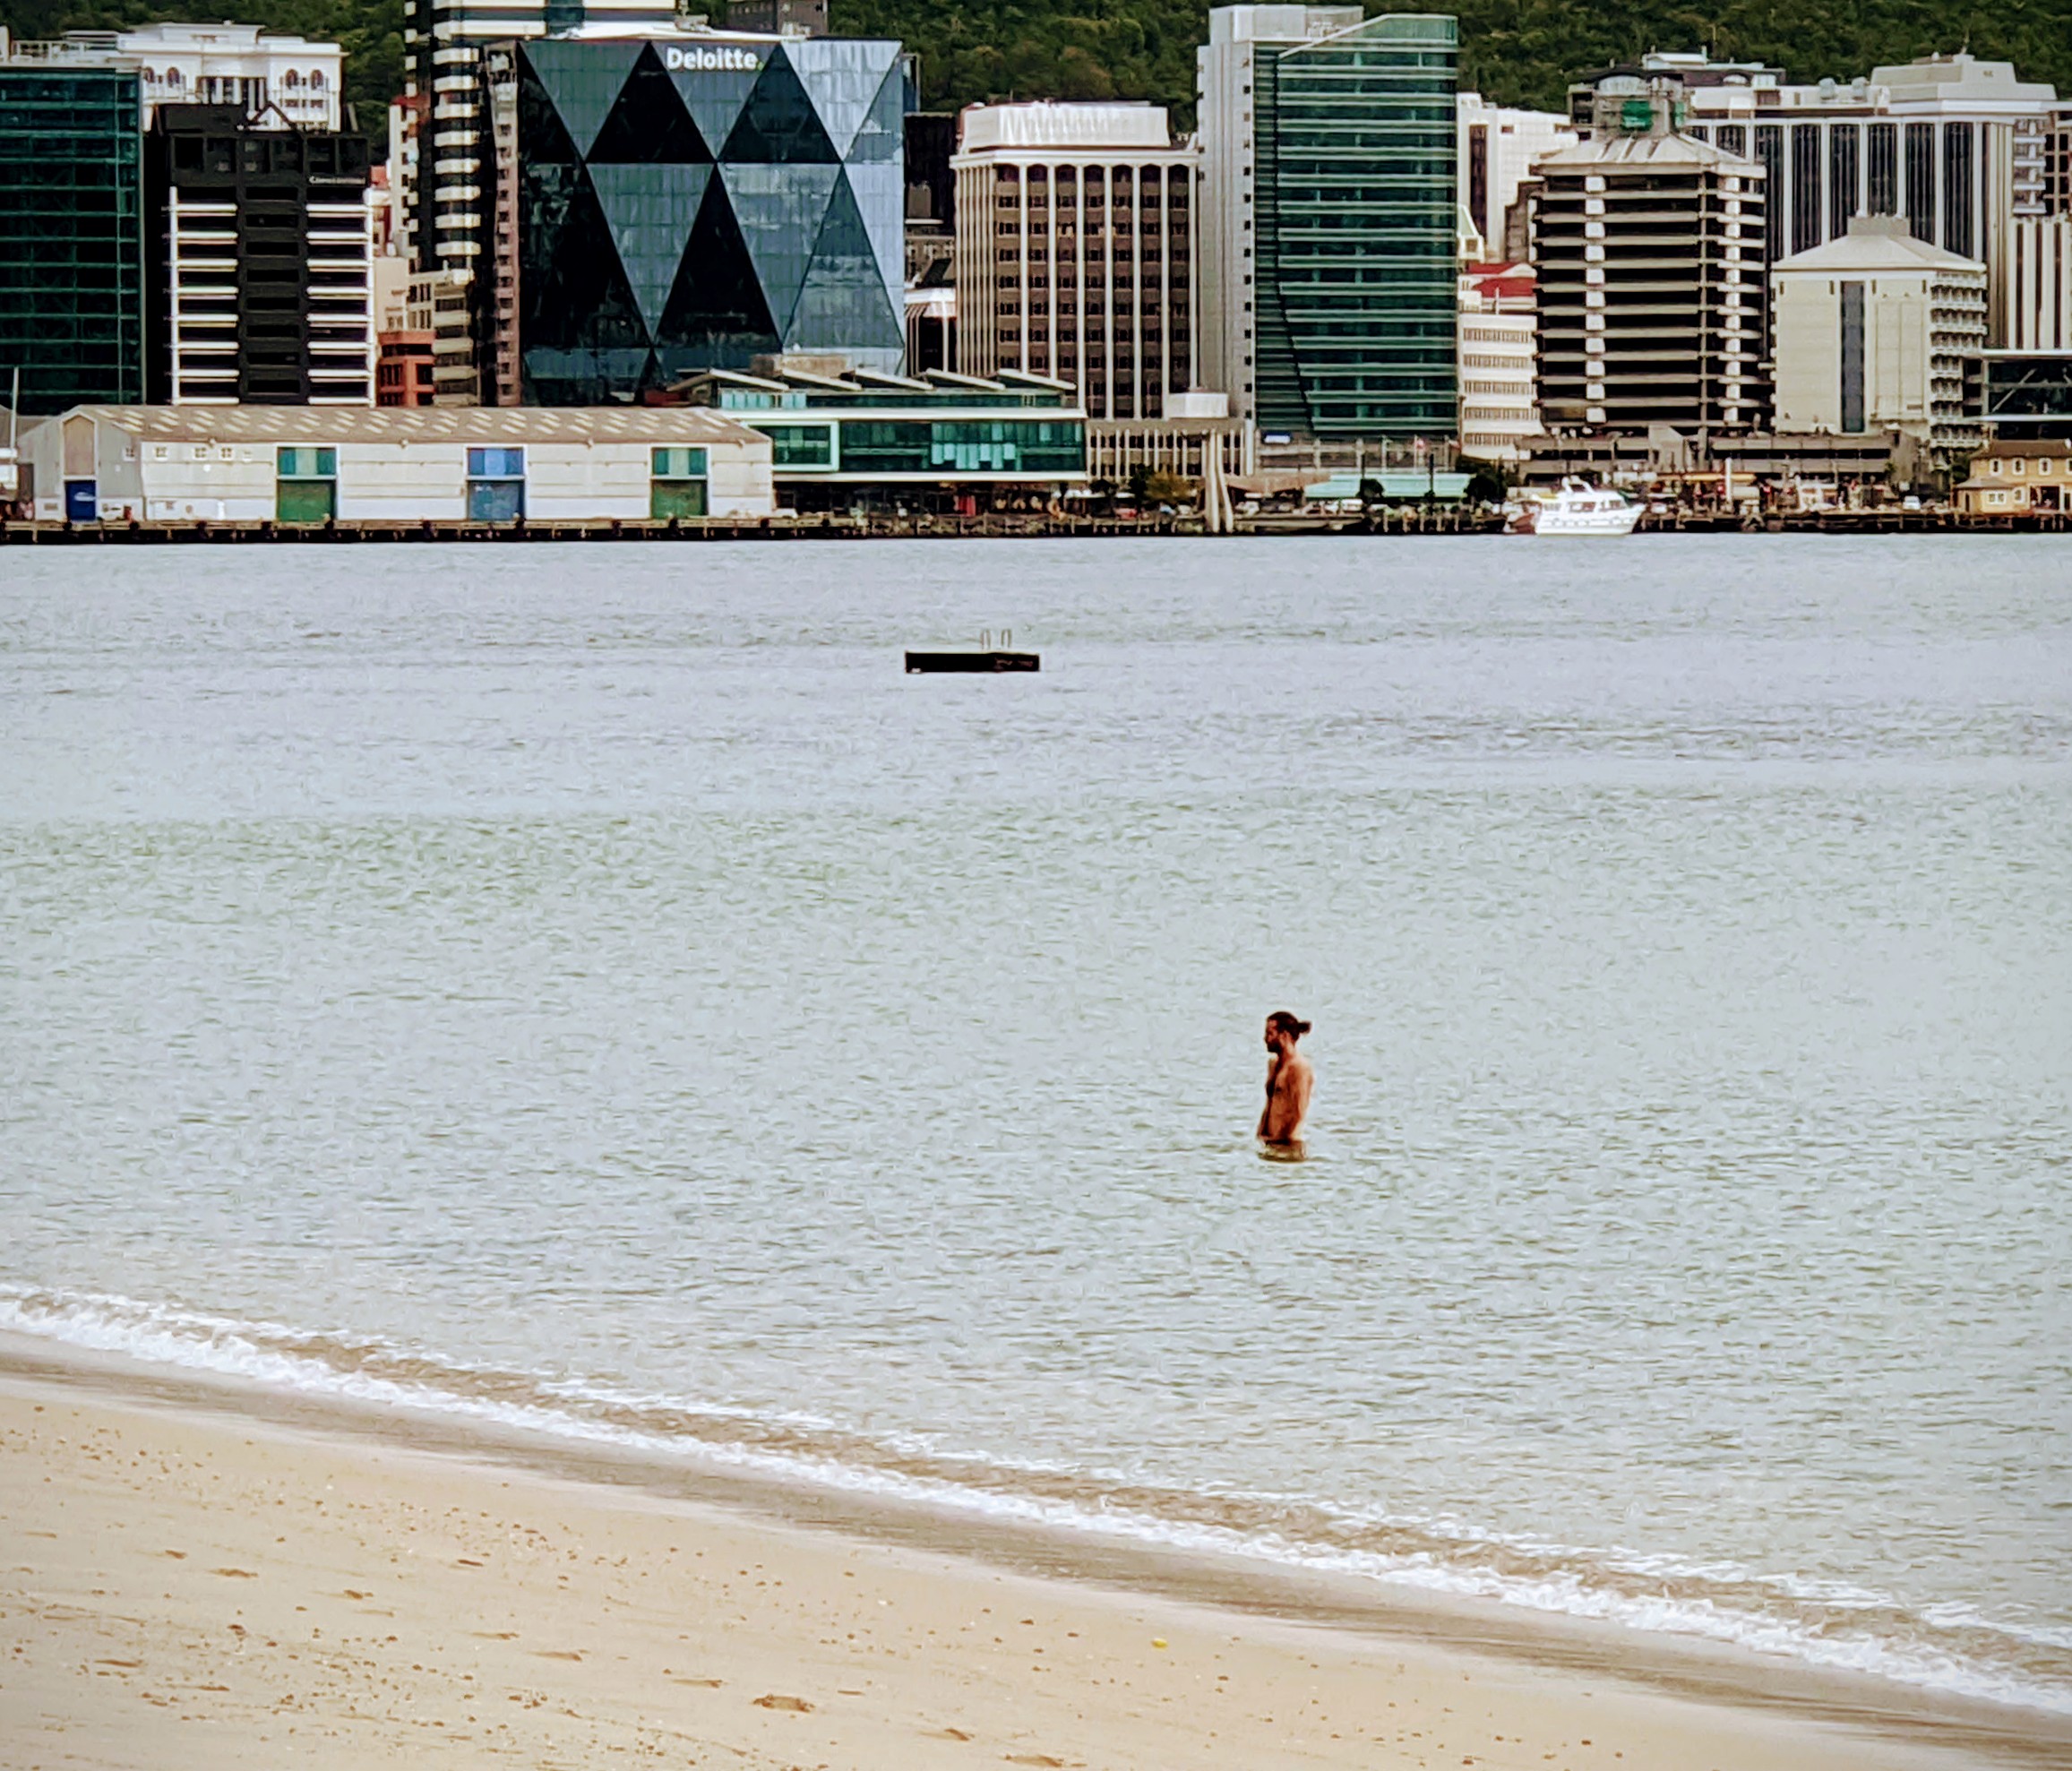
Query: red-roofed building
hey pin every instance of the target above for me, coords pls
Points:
(1498, 414)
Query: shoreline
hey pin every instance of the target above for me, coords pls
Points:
(1677, 1703)
(1397, 523)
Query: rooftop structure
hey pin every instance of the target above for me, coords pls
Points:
(281, 82)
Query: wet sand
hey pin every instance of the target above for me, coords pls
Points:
(190, 1586)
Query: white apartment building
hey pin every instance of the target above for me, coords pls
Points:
(1872, 331)
(1075, 252)
(1498, 326)
(210, 65)
(1496, 151)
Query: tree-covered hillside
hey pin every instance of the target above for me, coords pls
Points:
(1516, 51)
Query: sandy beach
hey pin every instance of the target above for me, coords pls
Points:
(203, 1587)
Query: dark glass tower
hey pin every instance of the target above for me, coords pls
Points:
(692, 204)
(72, 236)
(1358, 292)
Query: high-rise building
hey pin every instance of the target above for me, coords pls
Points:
(1872, 333)
(1650, 249)
(444, 98)
(1496, 147)
(72, 234)
(1957, 148)
(1329, 210)
(259, 263)
(664, 205)
(284, 82)
(1075, 251)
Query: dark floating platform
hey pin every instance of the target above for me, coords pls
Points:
(971, 663)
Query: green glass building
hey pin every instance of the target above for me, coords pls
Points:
(72, 236)
(1329, 229)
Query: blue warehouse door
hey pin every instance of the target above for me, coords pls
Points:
(81, 501)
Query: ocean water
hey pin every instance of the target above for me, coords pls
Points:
(596, 988)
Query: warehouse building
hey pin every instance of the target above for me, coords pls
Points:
(312, 464)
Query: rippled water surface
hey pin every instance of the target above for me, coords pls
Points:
(597, 983)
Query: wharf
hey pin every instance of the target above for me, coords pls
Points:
(1407, 520)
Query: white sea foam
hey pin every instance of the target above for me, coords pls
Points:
(257, 1352)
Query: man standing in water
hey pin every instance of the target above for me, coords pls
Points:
(1287, 1086)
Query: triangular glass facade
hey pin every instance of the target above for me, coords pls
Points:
(692, 207)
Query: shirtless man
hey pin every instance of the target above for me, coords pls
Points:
(1287, 1086)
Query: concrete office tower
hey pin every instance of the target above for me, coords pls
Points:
(1498, 326)
(72, 235)
(279, 82)
(1075, 251)
(1329, 245)
(1496, 147)
(259, 263)
(1872, 331)
(1650, 249)
(443, 90)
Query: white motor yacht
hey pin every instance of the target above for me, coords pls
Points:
(1575, 507)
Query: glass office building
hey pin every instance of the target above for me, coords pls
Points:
(72, 236)
(933, 442)
(1329, 286)
(1357, 294)
(693, 202)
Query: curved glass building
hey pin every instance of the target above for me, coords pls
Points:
(692, 201)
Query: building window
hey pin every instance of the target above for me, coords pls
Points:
(1884, 168)
(306, 485)
(495, 485)
(1852, 353)
(1805, 186)
(679, 487)
(1921, 181)
(1842, 171)
(801, 445)
(1956, 188)
(1010, 445)
(1770, 150)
